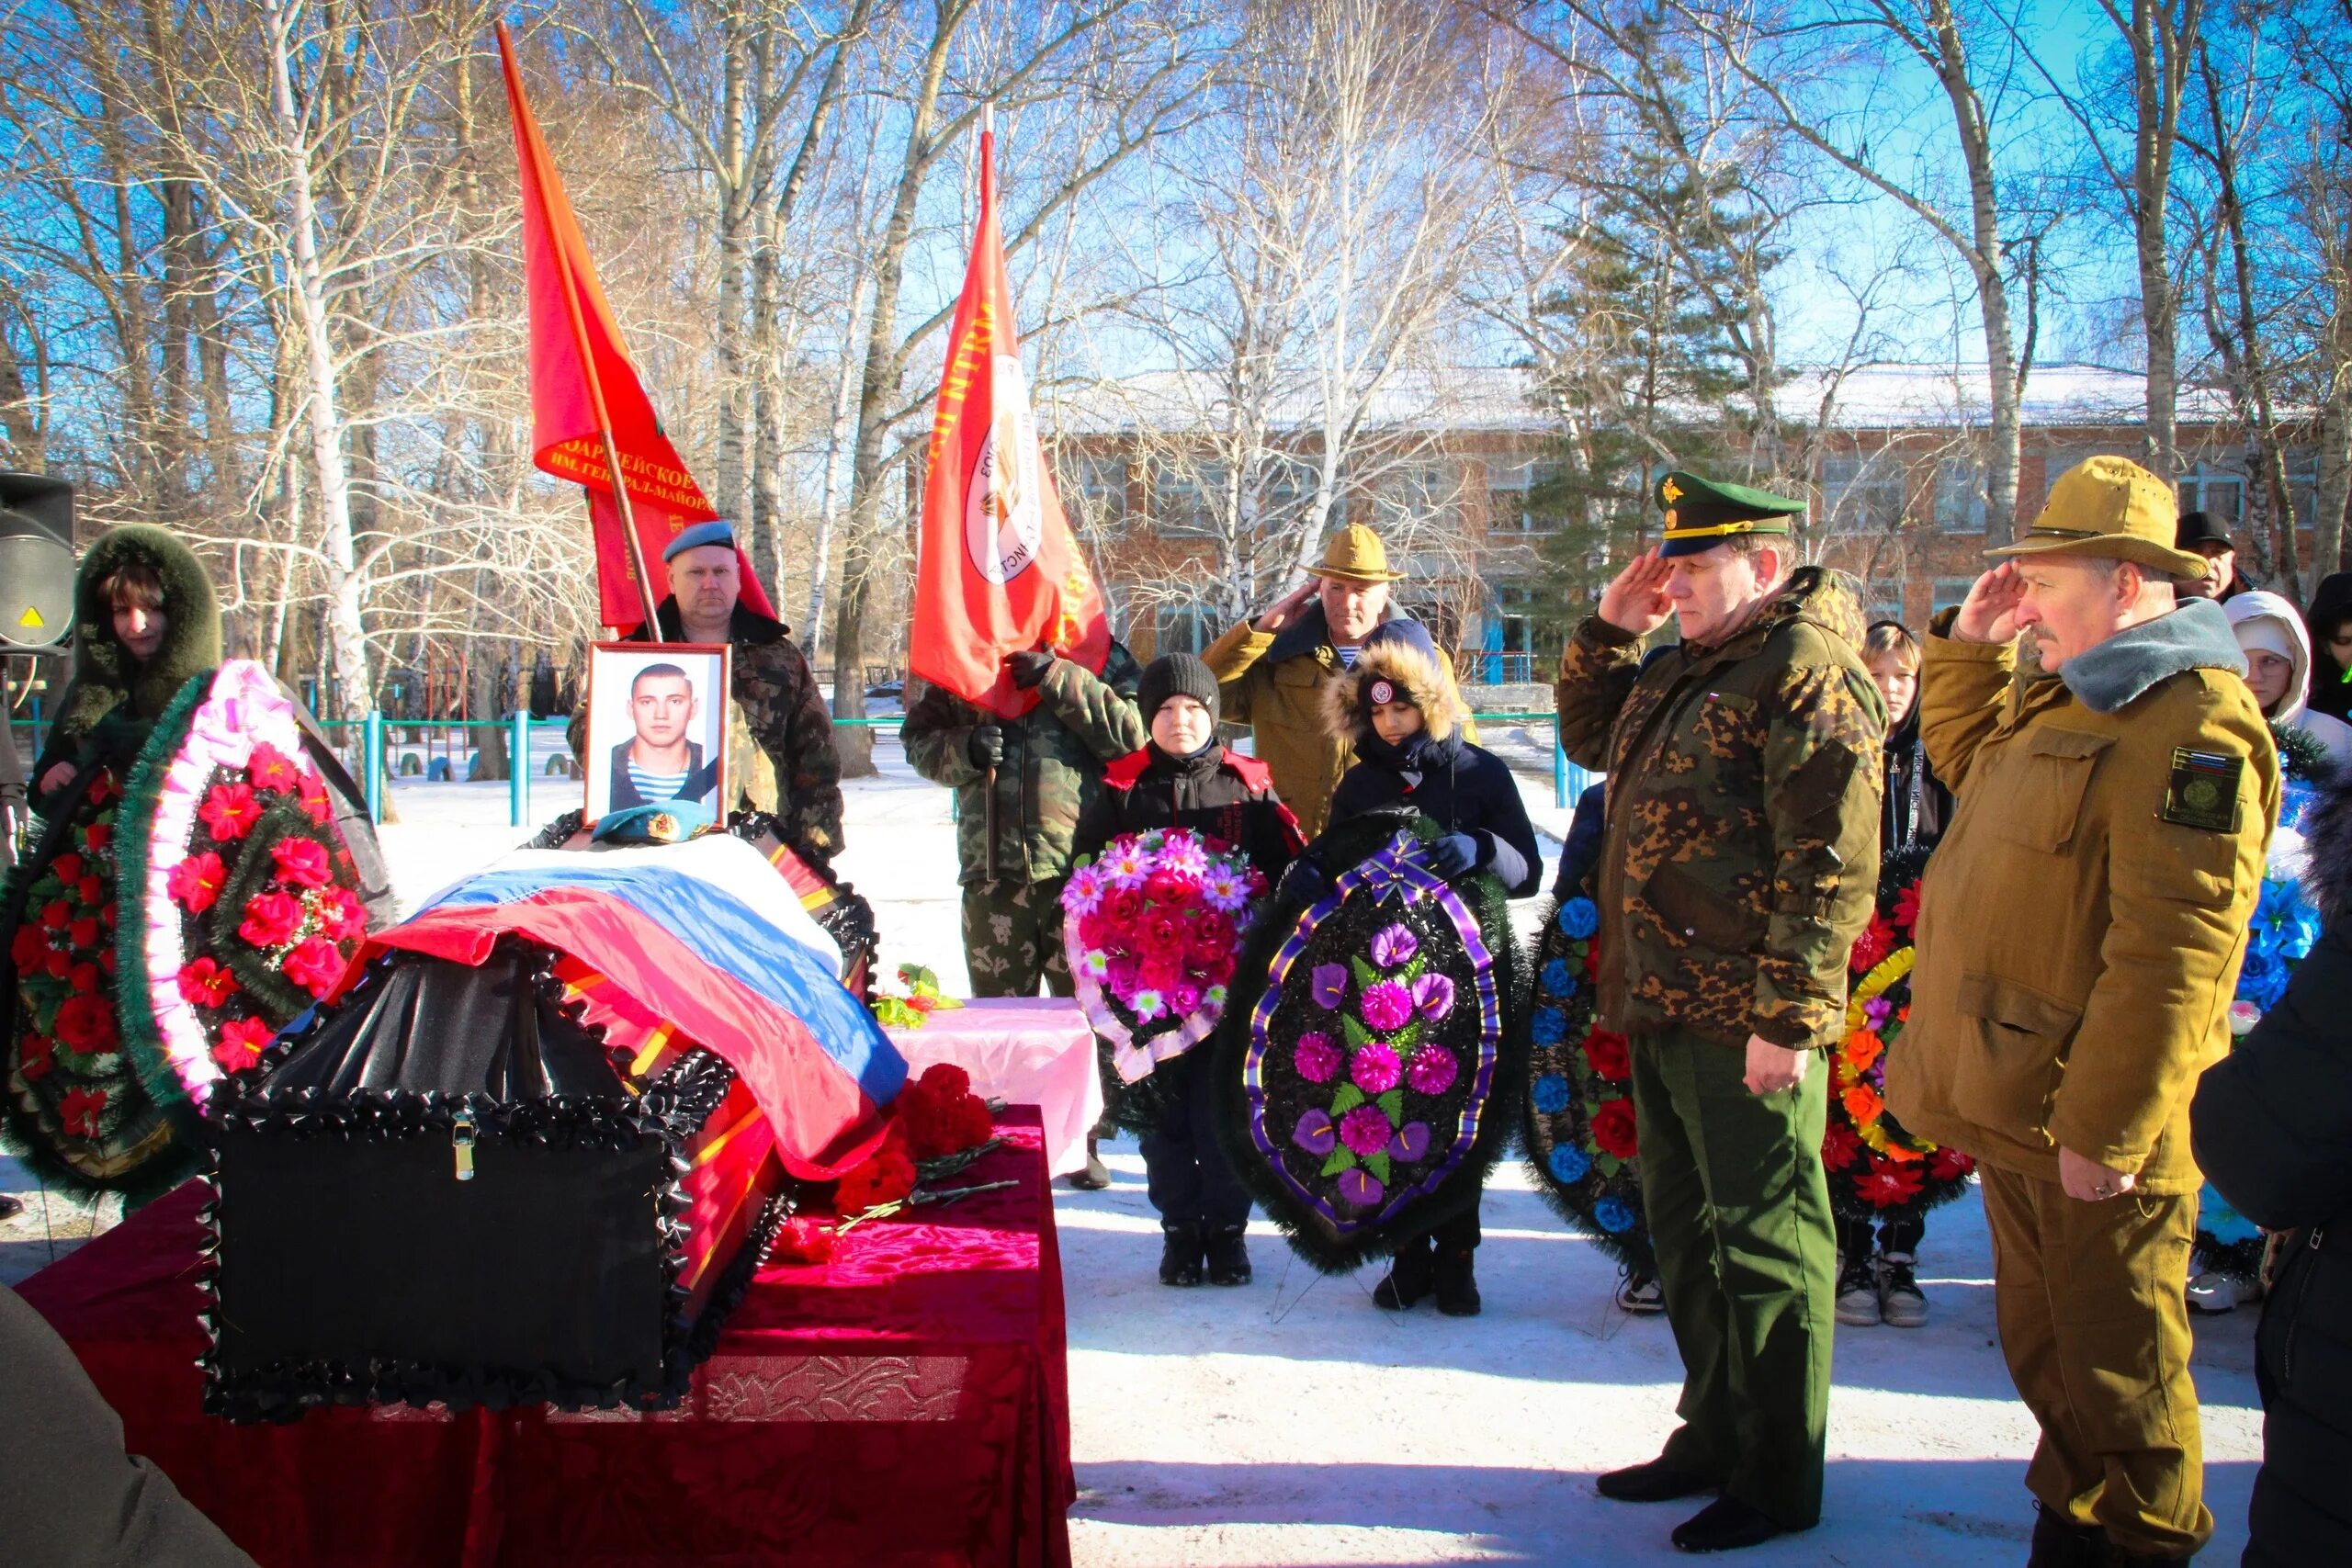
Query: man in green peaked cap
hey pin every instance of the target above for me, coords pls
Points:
(1737, 866)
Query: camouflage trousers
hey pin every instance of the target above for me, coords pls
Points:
(1012, 938)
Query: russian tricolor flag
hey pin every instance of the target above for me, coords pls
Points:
(710, 940)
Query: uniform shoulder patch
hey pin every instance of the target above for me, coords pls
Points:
(2202, 790)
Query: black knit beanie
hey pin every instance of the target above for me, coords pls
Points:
(1175, 675)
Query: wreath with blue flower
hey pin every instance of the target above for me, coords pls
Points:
(1578, 1129)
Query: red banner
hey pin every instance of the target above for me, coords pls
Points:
(583, 385)
(996, 571)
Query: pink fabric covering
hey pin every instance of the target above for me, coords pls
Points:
(1024, 1051)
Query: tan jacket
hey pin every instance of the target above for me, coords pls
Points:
(2082, 922)
(1276, 683)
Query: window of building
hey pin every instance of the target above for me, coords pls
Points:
(1183, 628)
(2215, 491)
(1948, 591)
(1884, 599)
(1184, 498)
(1960, 484)
(1411, 492)
(1094, 488)
(1862, 493)
(1510, 481)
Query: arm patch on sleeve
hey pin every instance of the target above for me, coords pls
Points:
(2202, 790)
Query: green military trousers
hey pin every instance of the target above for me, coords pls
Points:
(1738, 1211)
(2095, 1326)
(1012, 938)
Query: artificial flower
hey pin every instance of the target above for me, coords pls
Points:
(1315, 1133)
(1385, 1005)
(195, 883)
(314, 964)
(1225, 889)
(1431, 1070)
(1906, 907)
(66, 868)
(270, 920)
(1840, 1145)
(1861, 1048)
(1412, 1142)
(1610, 1056)
(1558, 978)
(84, 932)
(1862, 1103)
(302, 862)
(1148, 1004)
(99, 835)
(79, 1111)
(1434, 996)
(1375, 1069)
(1889, 1184)
(1550, 1094)
(1950, 1164)
(1183, 999)
(272, 770)
(1568, 1163)
(90, 889)
(1328, 985)
(1365, 1130)
(1394, 944)
(241, 1042)
(1360, 1188)
(1082, 894)
(1184, 860)
(230, 810)
(1124, 865)
(1613, 1127)
(1878, 940)
(1122, 907)
(1548, 1026)
(1579, 918)
(205, 983)
(29, 947)
(341, 915)
(315, 803)
(34, 1058)
(85, 1025)
(83, 977)
(1613, 1215)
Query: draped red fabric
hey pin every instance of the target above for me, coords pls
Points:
(905, 1405)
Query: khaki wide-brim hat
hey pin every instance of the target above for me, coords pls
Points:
(2112, 509)
(1355, 554)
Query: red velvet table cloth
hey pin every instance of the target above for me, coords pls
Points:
(905, 1405)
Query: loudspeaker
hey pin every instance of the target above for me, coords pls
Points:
(36, 563)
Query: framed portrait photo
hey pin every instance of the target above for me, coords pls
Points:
(657, 726)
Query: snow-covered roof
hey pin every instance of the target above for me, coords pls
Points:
(1502, 399)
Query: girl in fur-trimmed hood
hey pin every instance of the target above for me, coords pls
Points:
(1400, 709)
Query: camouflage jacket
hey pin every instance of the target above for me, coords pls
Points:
(1051, 769)
(1741, 855)
(779, 706)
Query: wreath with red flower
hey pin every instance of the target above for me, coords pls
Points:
(1578, 1129)
(248, 907)
(1876, 1169)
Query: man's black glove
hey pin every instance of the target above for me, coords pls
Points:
(1028, 667)
(1454, 854)
(1304, 883)
(985, 748)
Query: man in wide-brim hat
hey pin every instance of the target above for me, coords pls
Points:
(2079, 936)
(1271, 672)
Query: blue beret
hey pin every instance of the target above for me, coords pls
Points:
(716, 533)
(664, 822)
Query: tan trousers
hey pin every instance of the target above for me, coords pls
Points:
(2095, 1326)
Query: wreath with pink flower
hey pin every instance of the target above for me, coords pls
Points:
(242, 901)
(1876, 1169)
(1370, 1084)
(1578, 1132)
(1152, 926)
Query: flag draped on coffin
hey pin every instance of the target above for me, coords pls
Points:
(583, 383)
(997, 572)
(706, 937)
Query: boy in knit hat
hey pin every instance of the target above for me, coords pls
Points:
(1183, 778)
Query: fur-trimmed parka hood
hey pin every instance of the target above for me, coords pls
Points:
(105, 675)
(1418, 679)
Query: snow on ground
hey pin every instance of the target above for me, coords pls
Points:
(1292, 1422)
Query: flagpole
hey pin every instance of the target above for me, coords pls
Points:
(987, 824)
(588, 371)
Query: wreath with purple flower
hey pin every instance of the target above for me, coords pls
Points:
(1365, 1063)
(1578, 1129)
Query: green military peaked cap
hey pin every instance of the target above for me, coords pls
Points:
(1702, 513)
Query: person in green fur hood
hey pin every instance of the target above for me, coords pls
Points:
(146, 621)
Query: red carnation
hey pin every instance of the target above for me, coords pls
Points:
(301, 861)
(230, 810)
(1613, 1127)
(1839, 1145)
(241, 1043)
(1608, 1056)
(341, 915)
(85, 1024)
(887, 1176)
(802, 1240)
(947, 1078)
(314, 964)
(1889, 1185)
(270, 919)
(79, 1111)
(195, 883)
(206, 984)
(272, 770)
(975, 1123)
(33, 1058)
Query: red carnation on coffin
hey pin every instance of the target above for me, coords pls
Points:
(947, 1078)
(230, 810)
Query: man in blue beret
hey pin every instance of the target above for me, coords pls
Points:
(775, 690)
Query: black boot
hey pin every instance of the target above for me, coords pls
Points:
(1724, 1525)
(1180, 1255)
(1457, 1286)
(1228, 1260)
(2059, 1542)
(1407, 1279)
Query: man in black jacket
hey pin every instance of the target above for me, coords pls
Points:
(2271, 1125)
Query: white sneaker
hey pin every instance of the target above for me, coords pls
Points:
(1640, 1297)
(1900, 1300)
(1858, 1305)
(2214, 1294)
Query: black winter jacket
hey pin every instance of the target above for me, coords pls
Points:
(1213, 791)
(1915, 805)
(1461, 787)
(2271, 1125)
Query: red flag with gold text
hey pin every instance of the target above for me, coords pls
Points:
(996, 569)
(582, 380)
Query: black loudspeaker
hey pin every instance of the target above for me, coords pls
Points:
(36, 563)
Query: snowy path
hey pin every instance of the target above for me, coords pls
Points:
(1292, 1422)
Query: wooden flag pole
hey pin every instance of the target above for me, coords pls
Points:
(987, 812)
(588, 370)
